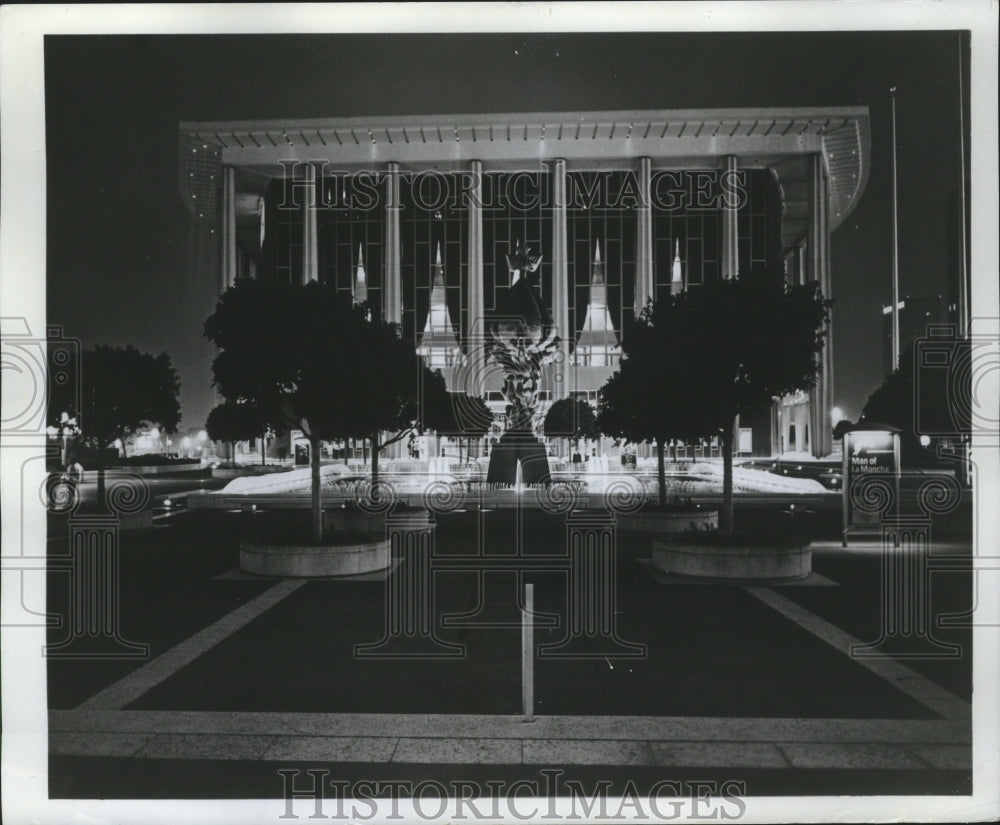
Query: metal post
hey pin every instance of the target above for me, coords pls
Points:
(528, 654)
(895, 243)
(310, 231)
(963, 295)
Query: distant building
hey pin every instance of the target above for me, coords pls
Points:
(954, 240)
(916, 313)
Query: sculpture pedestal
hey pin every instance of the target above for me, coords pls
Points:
(515, 446)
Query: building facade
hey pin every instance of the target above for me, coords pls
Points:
(417, 214)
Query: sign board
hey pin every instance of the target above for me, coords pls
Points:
(745, 444)
(870, 458)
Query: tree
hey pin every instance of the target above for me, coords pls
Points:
(841, 427)
(121, 390)
(464, 416)
(571, 418)
(310, 358)
(723, 349)
(233, 421)
(628, 408)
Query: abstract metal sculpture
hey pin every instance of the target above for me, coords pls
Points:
(521, 338)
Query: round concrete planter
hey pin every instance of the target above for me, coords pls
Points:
(668, 523)
(350, 556)
(716, 556)
(353, 521)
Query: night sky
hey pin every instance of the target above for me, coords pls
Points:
(121, 267)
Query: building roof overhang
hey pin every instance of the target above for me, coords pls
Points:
(778, 139)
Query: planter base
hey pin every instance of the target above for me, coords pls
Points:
(750, 563)
(290, 560)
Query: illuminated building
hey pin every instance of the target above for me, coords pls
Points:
(672, 199)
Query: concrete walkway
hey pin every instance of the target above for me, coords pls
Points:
(99, 727)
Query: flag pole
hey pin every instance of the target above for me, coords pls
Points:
(963, 293)
(895, 242)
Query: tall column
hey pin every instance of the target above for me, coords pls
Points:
(560, 276)
(392, 288)
(310, 245)
(818, 253)
(730, 229)
(228, 227)
(826, 430)
(474, 301)
(644, 283)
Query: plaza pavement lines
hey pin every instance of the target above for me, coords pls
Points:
(940, 700)
(136, 683)
(99, 727)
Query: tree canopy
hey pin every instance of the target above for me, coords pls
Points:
(236, 421)
(121, 389)
(570, 418)
(310, 356)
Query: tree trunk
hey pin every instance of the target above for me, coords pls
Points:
(263, 449)
(317, 504)
(661, 476)
(375, 452)
(346, 451)
(726, 516)
(675, 450)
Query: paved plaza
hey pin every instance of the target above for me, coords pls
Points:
(249, 675)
